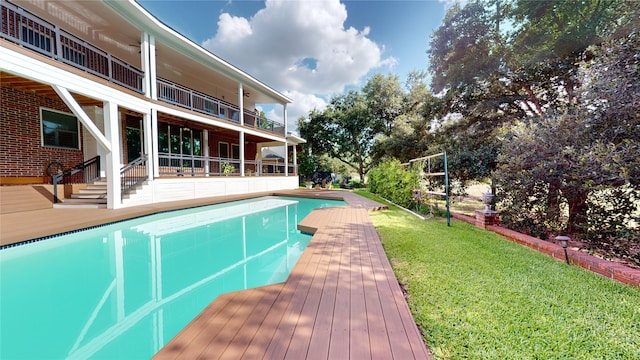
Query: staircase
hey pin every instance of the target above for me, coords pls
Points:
(133, 178)
(94, 196)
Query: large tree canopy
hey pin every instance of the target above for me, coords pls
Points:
(345, 130)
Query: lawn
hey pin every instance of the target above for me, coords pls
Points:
(478, 296)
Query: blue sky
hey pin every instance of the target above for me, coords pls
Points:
(309, 50)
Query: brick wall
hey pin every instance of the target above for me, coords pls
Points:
(21, 150)
(615, 271)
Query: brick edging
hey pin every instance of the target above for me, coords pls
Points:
(615, 271)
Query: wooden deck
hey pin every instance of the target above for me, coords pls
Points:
(341, 301)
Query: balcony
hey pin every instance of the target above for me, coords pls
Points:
(32, 32)
(190, 99)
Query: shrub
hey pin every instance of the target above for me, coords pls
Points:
(393, 182)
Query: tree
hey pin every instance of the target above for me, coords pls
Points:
(384, 97)
(587, 157)
(410, 135)
(345, 130)
(467, 59)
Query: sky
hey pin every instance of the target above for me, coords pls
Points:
(309, 50)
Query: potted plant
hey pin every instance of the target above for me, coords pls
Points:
(227, 168)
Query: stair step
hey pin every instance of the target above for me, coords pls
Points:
(97, 187)
(79, 206)
(85, 201)
(91, 191)
(89, 196)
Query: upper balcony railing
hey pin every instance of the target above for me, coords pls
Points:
(32, 32)
(190, 99)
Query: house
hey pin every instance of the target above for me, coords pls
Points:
(103, 93)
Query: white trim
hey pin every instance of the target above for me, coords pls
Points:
(82, 116)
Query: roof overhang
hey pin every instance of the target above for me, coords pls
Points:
(295, 139)
(145, 21)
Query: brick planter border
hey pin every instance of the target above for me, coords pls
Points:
(615, 271)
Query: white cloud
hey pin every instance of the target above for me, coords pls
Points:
(304, 102)
(300, 48)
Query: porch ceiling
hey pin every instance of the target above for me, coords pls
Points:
(40, 89)
(94, 22)
(174, 66)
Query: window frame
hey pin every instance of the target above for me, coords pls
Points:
(42, 127)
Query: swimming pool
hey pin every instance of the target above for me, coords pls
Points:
(123, 290)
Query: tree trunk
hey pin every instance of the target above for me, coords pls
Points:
(577, 210)
(553, 201)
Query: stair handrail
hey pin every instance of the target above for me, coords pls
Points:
(62, 176)
(132, 174)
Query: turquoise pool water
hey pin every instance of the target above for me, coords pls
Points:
(123, 290)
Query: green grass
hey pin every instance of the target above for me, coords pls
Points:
(478, 296)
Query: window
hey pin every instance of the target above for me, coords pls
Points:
(235, 151)
(235, 154)
(59, 129)
(224, 149)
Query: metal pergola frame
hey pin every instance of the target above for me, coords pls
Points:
(445, 173)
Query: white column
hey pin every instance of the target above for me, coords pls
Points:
(259, 159)
(205, 140)
(286, 145)
(286, 157)
(284, 116)
(153, 151)
(295, 159)
(112, 132)
(241, 153)
(144, 60)
(148, 61)
(148, 144)
(241, 103)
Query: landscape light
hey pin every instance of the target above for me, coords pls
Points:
(564, 242)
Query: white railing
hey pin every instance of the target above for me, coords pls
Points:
(187, 165)
(32, 32)
(179, 95)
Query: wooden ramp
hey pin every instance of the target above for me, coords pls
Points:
(341, 301)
